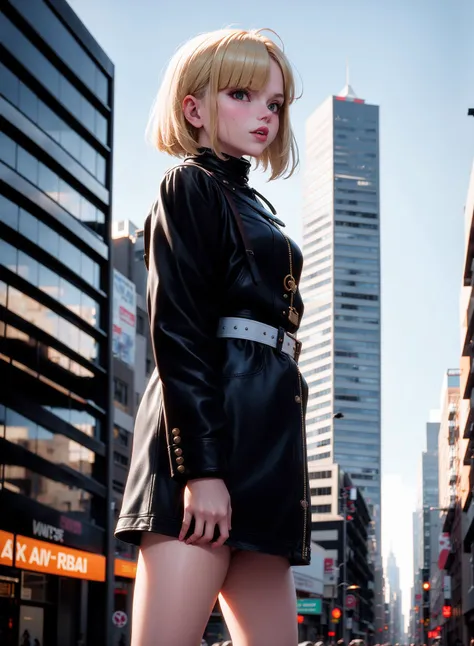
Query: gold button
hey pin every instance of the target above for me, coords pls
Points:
(177, 439)
(179, 460)
(181, 468)
(176, 431)
(178, 451)
(298, 399)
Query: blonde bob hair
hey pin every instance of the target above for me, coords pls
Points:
(229, 58)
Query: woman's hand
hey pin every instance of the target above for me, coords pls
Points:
(208, 501)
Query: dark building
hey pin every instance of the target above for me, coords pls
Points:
(56, 107)
(346, 537)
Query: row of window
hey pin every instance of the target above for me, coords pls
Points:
(316, 445)
(49, 240)
(356, 225)
(320, 475)
(356, 214)
(48, 321)
(319, 456)
(50, 183)
(320, 357)
(357, 380)
(353, 412)
(318, 431)
(357, 355)
(51, 493)
(50, 283)
(354, 344)
(80, 419)
(356, 426)
(356, 284)
(36, 63)
(315, 371)
(36, 110)
(356, 248)
(320, 261)
(343, 438)
(54, 32)
(357, 319)
(319, 418)
(318, 382)
(321, 491)
(315, 324)
(357, 296)
(53, 447)
(318, 406)
(321, 509)
(346, 271)
(356, 333)
(356, 367)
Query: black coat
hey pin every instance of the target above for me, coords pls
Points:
(226, 408)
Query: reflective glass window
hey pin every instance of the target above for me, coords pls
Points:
(48, 182)
(87, 269)
(28, 103)
(20, 430)
(88, 347)
(9, 212)
(69, 198)
(70, 96)
(87, 158)
(100, 168)
(88, 212)
(48, 240)
(28, 226)
(101, 128)
(101, 85)
(89, 310)
(9, 85)
(27, 268)
(32, 311)
(70, 297)
(68, 334)
(49, 121)
(49, 282)
(7, 150)
(71, 142)
(87, 114)
(3, 293)
(27, 165)
(70, 255)
(8, 255)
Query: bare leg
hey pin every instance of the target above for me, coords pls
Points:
(172, 576)
(258, 600)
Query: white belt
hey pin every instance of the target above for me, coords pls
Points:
(234, 327)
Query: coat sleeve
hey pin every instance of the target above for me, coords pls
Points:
(183, 301)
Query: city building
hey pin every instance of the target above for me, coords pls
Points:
(395, 599)
(448, 562)
(426, 525)
(342, 526)
(56, 106)
(341, 355)
(466, 416)
(133, 364)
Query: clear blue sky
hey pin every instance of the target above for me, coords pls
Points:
(415, 60)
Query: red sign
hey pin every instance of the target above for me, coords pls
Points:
(119, 619)
(418, 597)
(351, 602)
(447, 612)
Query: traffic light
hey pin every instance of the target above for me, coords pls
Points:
(300, 619)
(336, 614)
(426, 587)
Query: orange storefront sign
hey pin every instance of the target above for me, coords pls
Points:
(6, 548)
(50, 558)
(125, 568)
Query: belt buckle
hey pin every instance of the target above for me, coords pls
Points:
(298, 348)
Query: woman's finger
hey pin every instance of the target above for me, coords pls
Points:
(198, 530)
(208, 534)
(187, 518)
(224, 532)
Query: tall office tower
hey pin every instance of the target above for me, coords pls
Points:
(341, 288)
(56, 107)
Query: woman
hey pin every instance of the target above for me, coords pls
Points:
(217, 495)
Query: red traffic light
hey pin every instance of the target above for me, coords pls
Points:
(447, 612)
(426, 586)
(300, 619)
(336, 613)
(331, 633)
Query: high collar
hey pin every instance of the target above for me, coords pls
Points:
(235, 169)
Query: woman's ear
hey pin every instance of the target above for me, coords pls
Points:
(192, 111)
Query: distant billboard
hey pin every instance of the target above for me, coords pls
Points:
(124, 319)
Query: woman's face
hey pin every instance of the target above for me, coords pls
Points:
(248, 120)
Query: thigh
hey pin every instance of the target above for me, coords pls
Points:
(171, 576)
(258, 600)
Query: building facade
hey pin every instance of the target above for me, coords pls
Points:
(466, 417)
(56, 106)
(341, 288)
(395, 599)
(344, 531)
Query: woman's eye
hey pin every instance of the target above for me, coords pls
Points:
(274, 107)
(240, 95)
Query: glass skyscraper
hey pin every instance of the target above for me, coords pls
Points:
(56, 106)
(341, 288)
